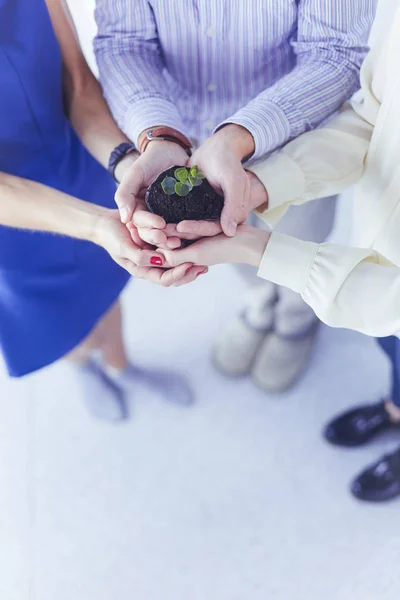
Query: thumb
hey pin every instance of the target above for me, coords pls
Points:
(233, 191)
(128, 191)
(175, 258)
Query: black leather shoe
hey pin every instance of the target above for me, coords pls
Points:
(358, 426)
(379, 482)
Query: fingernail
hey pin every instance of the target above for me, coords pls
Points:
(187, 270)
(155, 260)
(202, 272)
(232, 226)
(124, 213)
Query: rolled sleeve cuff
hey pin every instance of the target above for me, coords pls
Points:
(284, 181)
(151, 112)
(288, 261)
(267, 123)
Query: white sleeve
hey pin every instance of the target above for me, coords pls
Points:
(323, 162)
(355, 288)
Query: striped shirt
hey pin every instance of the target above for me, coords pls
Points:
(276, 67)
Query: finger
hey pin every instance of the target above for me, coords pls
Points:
(197, 229)
(144, 218)
(143, 258)
(173, 243)
(178, 257)
(171, 230)
(235, 191)
(137, 240)
(166, 278)
(148, 273)
(191, 275)
(125, 196)
(155, 237)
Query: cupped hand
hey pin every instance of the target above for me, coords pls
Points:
(127, 249)
(220, 158)
(158, 157)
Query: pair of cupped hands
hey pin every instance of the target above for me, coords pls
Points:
(151, 249)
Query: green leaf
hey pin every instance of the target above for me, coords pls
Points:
(194, 170)
(181, 174)
(197, 181)
(200, 175)
(168, 186)
(192, 180)
(182, 189)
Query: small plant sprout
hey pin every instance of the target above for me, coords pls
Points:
(183, 182)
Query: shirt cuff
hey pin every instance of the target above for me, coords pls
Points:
(151, 112)
(284, 181)
(287, 261)
(267, 123)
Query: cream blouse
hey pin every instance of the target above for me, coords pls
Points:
(352, 287)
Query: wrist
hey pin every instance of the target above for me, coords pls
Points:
(258, 193)
(172, 153)
(93, 222)
(239, 139)
(124, 165)
(166, 135)
(254, 247)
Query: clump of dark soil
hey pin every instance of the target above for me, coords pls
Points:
(202, 203)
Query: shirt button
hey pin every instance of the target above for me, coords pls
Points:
(210, 32)
(210, 125)
(212, 87)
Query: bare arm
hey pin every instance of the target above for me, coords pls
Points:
(85, 105)
(26, 204)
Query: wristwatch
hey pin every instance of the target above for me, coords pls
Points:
(165, 134)
(118, 154)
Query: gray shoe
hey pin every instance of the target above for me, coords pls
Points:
(103, 397)
(281, 362)
(236, 350)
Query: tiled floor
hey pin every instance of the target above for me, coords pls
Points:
(235, 499)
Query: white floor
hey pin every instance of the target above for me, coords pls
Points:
(237, 498)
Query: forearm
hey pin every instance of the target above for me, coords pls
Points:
(330, 51)
(354, 288)
(92, 121)
(26, 204)
(83, 98)
(296, 104)
(131, 69)
(323, 162)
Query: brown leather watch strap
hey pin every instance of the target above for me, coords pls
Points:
(165, 134)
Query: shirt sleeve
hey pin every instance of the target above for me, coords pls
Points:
(131, 67)
(326, 161)
(354, 288)
(330, 44)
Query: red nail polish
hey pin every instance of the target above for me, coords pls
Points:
(155, 260)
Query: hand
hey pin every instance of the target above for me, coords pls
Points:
(220, 158)
(247, 247)
(158, 157)
(132, 254)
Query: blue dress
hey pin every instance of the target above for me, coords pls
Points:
(53, 289)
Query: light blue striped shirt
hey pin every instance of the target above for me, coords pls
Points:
(276, 67)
